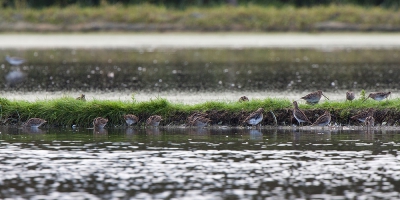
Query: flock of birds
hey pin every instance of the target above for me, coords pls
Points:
(366, 116)
(198, 119)
(254, 119)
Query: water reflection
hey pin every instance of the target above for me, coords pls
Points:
(205, 163)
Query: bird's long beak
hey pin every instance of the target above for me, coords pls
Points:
(325, 96)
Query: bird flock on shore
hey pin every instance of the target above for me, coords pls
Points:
(200, 119)
(254, 119)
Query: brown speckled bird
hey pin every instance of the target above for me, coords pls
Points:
(369, 121)
(199, 121)
(153, 120)
(255, 117)
(299, 115)
(34, 122)
(350, 96)
(99, 122)
(378, 96)
(362, 115)
(314, 97)
(131, 119)
(323, 120)
(82, 97)
(243, 98)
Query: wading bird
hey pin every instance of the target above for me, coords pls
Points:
(362, 115)
(255, 117)
(153, 120)
(131, 119)
(243, 98)
(323, 120)
(378, 96)
(314, 97)
(299, 115)
(350, 96)
(82, 97)
(99, 122)
(34, 122)
(199, 121)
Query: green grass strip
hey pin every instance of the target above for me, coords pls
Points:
(67, 111)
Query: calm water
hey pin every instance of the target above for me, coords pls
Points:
(202, 70)
(211, 163)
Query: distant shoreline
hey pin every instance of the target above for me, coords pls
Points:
(242, 18)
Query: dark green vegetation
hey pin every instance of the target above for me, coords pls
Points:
(245, 17)
(68, 111)
(202, 3)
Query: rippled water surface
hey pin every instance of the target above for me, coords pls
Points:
(210, 163)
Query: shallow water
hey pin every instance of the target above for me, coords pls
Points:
(210, 163)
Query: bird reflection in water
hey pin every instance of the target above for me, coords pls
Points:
(153, 131)
(15, 77)
(100, 132)
(255, 134)
(32, 130)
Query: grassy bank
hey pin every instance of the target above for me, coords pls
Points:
(148, 17)
(68, 111)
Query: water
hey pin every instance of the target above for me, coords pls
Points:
(200, 70)
(211, 163)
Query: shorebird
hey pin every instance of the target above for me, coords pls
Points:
(14, 60)
(196, 114)
(255, 117)
(369, 121)
(361, 116)
(131, 119)
(82, 97)
(299, 115)
(323, 120)
(99, 122)
(34, 122)
(243, 98)
(153, 120)
(199, 121)
(350, 96)
(378, 96)
(314, 97)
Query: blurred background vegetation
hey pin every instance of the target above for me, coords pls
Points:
(199, 15)
(202, 3)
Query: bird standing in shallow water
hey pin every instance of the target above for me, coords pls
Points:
(350, 96)
(131, 119)
(314, 97)
(255, 117)
(34, 122)
(299, 115)
(82, 97)
(378, 96)
(243, 98)
(99, 122)
(361, 116)
(153, 120)
(323, 120)
(196, 114)
(199, 121)
(369, 121)
(14, 60)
